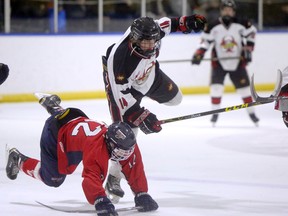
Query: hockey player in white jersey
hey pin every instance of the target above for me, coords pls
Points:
(132, 72)
(232, 43)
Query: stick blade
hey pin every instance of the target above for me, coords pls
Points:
(275, 92)
(278, 85)
(253, 90)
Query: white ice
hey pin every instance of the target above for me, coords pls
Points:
(192, 168)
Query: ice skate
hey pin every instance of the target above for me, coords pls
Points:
(50, 102)
(14, 159)
(254, 118)
(113, 189)
(214, 119)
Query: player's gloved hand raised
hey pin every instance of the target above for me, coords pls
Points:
(285, 118)
(145, 120)
(145, 201)
(198, 56)
(195, 23)
(104, 207)
(4, 72)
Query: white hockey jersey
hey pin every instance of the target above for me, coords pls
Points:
(228, 42)
(129, 71)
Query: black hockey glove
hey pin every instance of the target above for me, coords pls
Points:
(285, 118)
(145, 201)
(4, 72)
(198, 56)
(104, 207)
(195, 23)
(146, 121)
(247, 54)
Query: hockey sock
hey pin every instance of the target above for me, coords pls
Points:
(31, 167)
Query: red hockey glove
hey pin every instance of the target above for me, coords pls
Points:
(285, 118)
(104, 207)
(188, 23)
(146, 121)
(4, 72)
(145, 201)
(198, 56)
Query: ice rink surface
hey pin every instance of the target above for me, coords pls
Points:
(192, 168)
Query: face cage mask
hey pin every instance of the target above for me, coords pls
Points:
(147, 53)
(227, 20)
(120, 154)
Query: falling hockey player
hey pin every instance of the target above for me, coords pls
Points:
(233, 43)
(69, 137)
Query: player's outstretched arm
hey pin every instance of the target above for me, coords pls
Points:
(187, 24)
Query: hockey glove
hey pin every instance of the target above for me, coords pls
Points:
(247, 54)
(4, 72)
(145, 201)
(104, 207)
(195, 23)
(198, 56)
(285, 118)
(146, 121)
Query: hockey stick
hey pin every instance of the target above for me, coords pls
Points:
(205, 59)
(73, 210)
(258, 101)
(275, 93)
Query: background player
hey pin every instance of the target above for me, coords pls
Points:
(230, 39)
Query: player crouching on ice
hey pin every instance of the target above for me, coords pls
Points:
(69, 137)
(282, 103)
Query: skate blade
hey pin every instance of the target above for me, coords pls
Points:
(7, 150)
(113, 198)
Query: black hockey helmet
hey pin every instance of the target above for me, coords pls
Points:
(4, 72)
(144, 28)
(120, 140)
(228, 3)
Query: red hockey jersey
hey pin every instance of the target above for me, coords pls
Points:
(82, 139)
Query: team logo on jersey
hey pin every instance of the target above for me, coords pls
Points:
(120, 78)
(142, 77)
(170, 86)
(228, 44)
